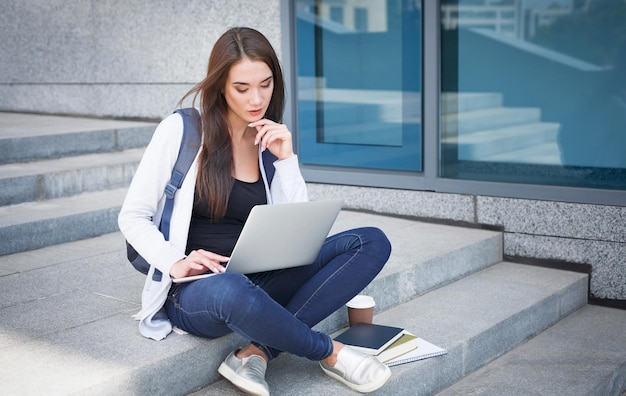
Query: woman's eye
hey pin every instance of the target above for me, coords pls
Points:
(265, 86)
(242, 90)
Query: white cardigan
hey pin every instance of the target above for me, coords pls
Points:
(141, 212)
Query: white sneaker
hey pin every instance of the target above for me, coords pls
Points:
(360, 371)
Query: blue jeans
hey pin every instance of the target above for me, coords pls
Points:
(276, 309)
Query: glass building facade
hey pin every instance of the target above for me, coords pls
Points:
(464, 94)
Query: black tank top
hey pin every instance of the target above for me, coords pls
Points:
(220, 236)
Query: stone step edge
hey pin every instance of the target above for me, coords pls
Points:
(64, 177)
(35, 225)
(16, 124)
(570, 347)
(33, 148)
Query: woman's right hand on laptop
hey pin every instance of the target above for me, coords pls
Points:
(198, 262)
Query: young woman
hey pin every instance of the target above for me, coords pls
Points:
(241, 106)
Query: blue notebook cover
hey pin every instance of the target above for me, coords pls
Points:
(370, 338)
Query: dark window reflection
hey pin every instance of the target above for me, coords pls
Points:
(534, 91)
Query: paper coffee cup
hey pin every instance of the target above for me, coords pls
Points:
(361, 309)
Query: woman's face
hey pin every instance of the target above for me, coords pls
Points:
(248, 91)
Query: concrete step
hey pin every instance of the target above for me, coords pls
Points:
(547, 153)
(341, 113)
(387, 106)
(476, 319)
(34, 225)
(584, 354)
(30, 137)
(49, 179)
(456, 102)
(423, 258)
(373, 133)
(66, 310)
(458, 124)
(486, 143)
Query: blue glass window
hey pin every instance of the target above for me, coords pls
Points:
(534, 92)
(359, 84)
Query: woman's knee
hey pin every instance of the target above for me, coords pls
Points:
(377, 242)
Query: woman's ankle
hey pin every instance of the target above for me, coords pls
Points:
(331, 360)
(250, 350)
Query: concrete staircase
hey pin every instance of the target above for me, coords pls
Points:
(62, 173)
(480, 128)
(476, 125)
(68, 294)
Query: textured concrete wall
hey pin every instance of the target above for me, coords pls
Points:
(575, 233)
(114, 57)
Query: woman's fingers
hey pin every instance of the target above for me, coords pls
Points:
(204, 259)
(198, 262)
(268, 131)
(275, 137)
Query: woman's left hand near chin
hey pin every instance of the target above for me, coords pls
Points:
(273, 136)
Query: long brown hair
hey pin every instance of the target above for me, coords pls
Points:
(215, 166)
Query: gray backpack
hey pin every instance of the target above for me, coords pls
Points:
(189, 147)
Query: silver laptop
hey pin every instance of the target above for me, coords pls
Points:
(280, 236)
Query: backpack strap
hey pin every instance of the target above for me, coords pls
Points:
(268, 165)
(187, 152)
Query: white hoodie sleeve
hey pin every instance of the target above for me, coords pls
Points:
(141, 212)
(288, 184)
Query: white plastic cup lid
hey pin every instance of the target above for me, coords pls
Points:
(361, 301)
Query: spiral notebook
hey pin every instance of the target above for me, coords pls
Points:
(424, 350)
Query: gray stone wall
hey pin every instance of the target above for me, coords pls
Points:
(114, 57)
(574, 233)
